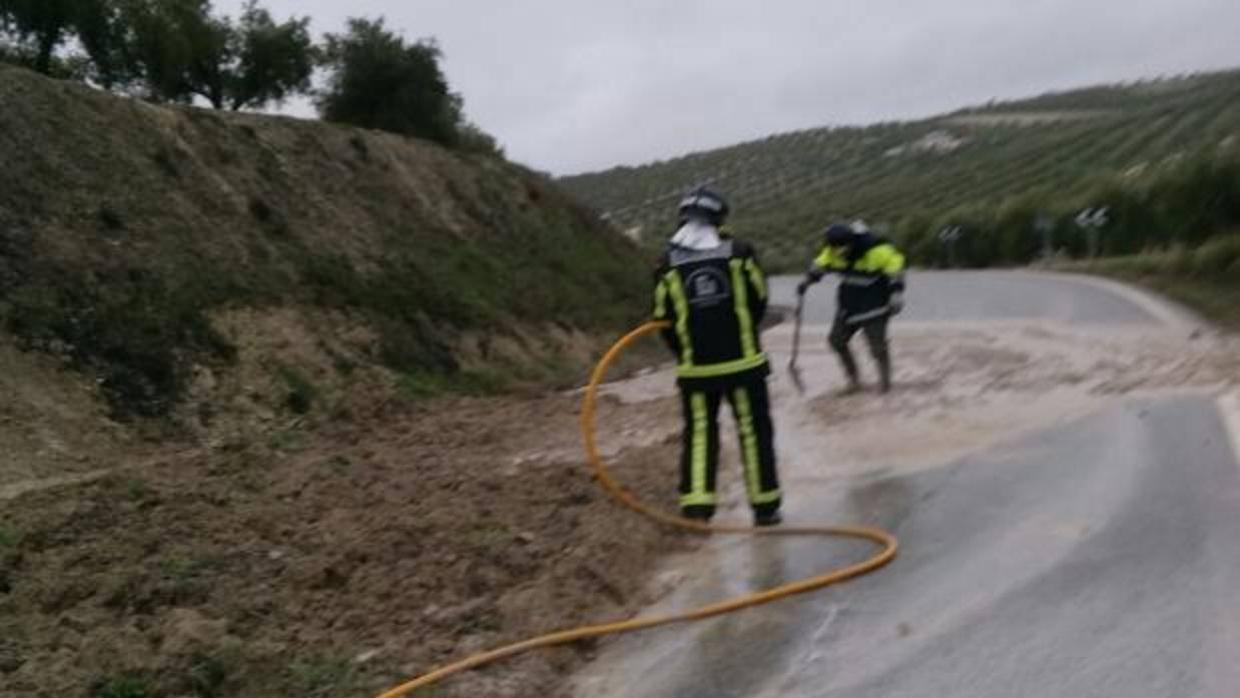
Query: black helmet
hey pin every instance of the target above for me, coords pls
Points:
(705, 204)
(839, 234)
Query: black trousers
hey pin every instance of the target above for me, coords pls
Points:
(875, 332)
(699, 458)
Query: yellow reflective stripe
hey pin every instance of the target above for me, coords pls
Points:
(749, 441)
(660, 300)
(765, 497)
(740, 301)
(723, 369)
(872, 261)
(883, 258)
(681, 303)
(697, 464)
(895, 264)
(690, 500)
(756, 277)
(749, 451)
(827, 259)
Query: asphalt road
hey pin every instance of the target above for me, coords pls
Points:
(1098, 558)
(999, 296)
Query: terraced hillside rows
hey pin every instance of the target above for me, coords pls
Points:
(785, 187)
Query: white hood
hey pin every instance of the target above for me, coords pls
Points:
(697, 235)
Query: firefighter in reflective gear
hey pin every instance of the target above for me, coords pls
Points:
(871, 292)
(713, 292)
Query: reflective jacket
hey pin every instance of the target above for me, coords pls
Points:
(871, 270)
(715, 300)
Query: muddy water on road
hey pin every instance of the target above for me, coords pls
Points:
(960, 388)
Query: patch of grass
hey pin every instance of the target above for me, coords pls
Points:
(110, 219)
(339, 464)
(483, 381)
(301, 392)
(420, 385)
(322, 676)
(332, 279)
(260, 210)
(129, 326)
(138, 490)
(13, 647)
(165, 160)
(179, 581)
(1216, 299)
(487, 535)
(181, 570)
(8, 538)
(208, 674)
(343, 364)
(127, 686)
(269, 217)
(359, 147)
(176, 569)
(558, 370)
(487, 620)
(196, 566)
(1218, 257)
(288, 440)
(414, 345)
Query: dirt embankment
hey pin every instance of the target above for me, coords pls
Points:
(333, 563)
(230, 459)
(164, 251)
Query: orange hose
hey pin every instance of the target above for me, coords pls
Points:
(884, 540)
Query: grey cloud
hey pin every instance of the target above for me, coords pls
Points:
(569, 86)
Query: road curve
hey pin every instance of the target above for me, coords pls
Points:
(1097, 557)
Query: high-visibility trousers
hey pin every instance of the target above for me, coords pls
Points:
(700, 452)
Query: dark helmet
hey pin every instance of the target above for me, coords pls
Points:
(705, 204)
(839, 234)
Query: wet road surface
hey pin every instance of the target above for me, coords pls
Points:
(1000, 296)
(1099, 557)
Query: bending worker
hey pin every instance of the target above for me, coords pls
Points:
(714, 294)
(871, 292)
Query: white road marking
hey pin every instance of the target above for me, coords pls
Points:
(1165, 311)
(1229, 406)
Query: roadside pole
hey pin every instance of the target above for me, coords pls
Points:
(1091, 221)
(1044, 224)
(947, 238)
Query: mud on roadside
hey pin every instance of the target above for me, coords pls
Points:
(336, 563)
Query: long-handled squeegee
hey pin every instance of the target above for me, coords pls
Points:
(793, 370)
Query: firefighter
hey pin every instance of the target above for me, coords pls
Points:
(712, 291)
(871, 292)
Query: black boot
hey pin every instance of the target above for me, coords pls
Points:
(884, 373)
(768, 518)
(850, 369)
(766, 514)
(698, 512)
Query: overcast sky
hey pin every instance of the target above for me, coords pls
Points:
(575, 85)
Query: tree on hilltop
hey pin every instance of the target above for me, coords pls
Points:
(377, 80)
